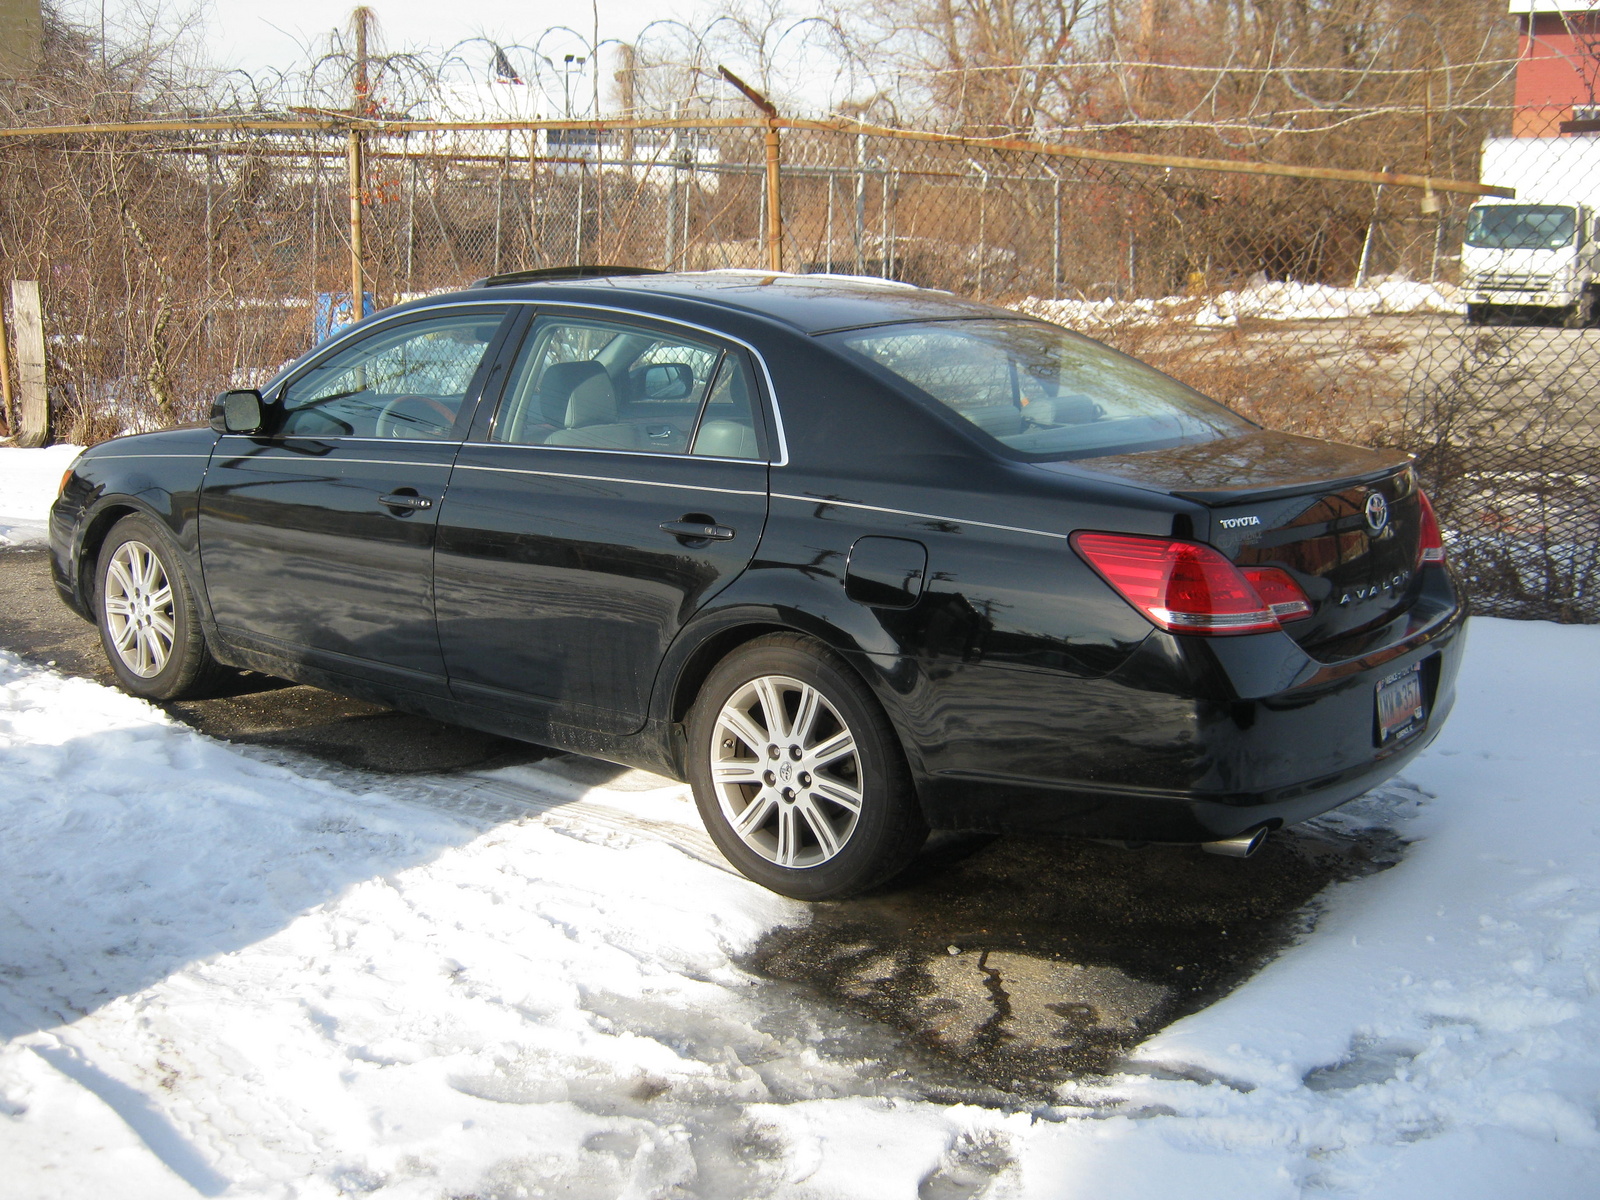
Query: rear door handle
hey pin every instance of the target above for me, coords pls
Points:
(402, 500)
(696, 531)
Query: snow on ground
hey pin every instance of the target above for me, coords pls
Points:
(1260, 299)
(28, 483)
(220, 976)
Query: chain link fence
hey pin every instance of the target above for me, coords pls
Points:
(177, 262)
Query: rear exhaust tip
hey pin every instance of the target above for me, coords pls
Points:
(1240, 846)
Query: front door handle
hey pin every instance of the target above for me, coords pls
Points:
(697, 531)
(405, 499)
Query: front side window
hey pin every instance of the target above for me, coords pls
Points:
(406, 381)
(1040, 390)
(599, 385)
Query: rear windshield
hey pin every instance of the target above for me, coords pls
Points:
(1040, 390)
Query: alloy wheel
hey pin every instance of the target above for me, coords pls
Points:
(786, 771)
(138, 607)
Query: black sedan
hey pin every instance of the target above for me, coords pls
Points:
(856, 560)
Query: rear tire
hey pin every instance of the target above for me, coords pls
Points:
(797, 773)
(146, 612)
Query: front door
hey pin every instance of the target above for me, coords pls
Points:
(622, 485)
(316, 536)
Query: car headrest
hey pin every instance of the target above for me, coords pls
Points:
(574, 394)
(1075, 410)
(726, 439)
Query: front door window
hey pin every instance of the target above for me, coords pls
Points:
(405, 381)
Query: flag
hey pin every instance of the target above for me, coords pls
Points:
(504, 72)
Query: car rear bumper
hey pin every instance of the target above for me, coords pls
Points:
(1190, 740)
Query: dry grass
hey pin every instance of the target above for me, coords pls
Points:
(1271, 377)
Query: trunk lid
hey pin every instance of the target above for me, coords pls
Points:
(1344, 522)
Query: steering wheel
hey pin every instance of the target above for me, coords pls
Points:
(411, 417)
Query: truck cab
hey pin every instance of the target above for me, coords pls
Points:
(1523, 255)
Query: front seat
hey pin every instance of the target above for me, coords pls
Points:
(579, 398)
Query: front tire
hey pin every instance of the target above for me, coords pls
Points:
(797, 773)
(1581, 314)
(146, 613)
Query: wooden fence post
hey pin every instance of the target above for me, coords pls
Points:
(8, 408)
(33, 412)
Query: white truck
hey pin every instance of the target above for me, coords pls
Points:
(1541, 250)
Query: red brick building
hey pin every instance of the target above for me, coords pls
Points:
(1558, 64)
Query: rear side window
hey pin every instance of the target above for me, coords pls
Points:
(598, 385)
(1040, 390)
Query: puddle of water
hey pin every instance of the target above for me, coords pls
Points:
(1020, 963)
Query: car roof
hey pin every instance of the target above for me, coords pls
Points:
(809, 303)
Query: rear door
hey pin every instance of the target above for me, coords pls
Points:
(316, 537)
(621, 485)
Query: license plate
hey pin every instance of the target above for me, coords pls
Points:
(1400, 707)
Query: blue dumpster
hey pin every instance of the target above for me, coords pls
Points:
(332, 313)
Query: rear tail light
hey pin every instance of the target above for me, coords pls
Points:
(1281, 593)
(1430, 542)
(1185, 587)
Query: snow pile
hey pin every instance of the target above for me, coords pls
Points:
(1261, 300)
(28, 483)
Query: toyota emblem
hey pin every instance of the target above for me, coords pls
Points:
(1377, 512)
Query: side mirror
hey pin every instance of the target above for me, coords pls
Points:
(668, 381)
(237, 412)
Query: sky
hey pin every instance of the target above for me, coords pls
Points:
(260, 38)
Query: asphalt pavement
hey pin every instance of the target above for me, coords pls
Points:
(1008, 964)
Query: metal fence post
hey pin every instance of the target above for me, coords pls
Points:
(983, 228)
(1055, 243)
(353, 167)
(411, 224)
(210, 236)
(891, 194)
(831, 181)
(535, 222)
(316, 220)
(861, 203)
(1366, 243)
(577, 230)
(774, 214)
(499, 217)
